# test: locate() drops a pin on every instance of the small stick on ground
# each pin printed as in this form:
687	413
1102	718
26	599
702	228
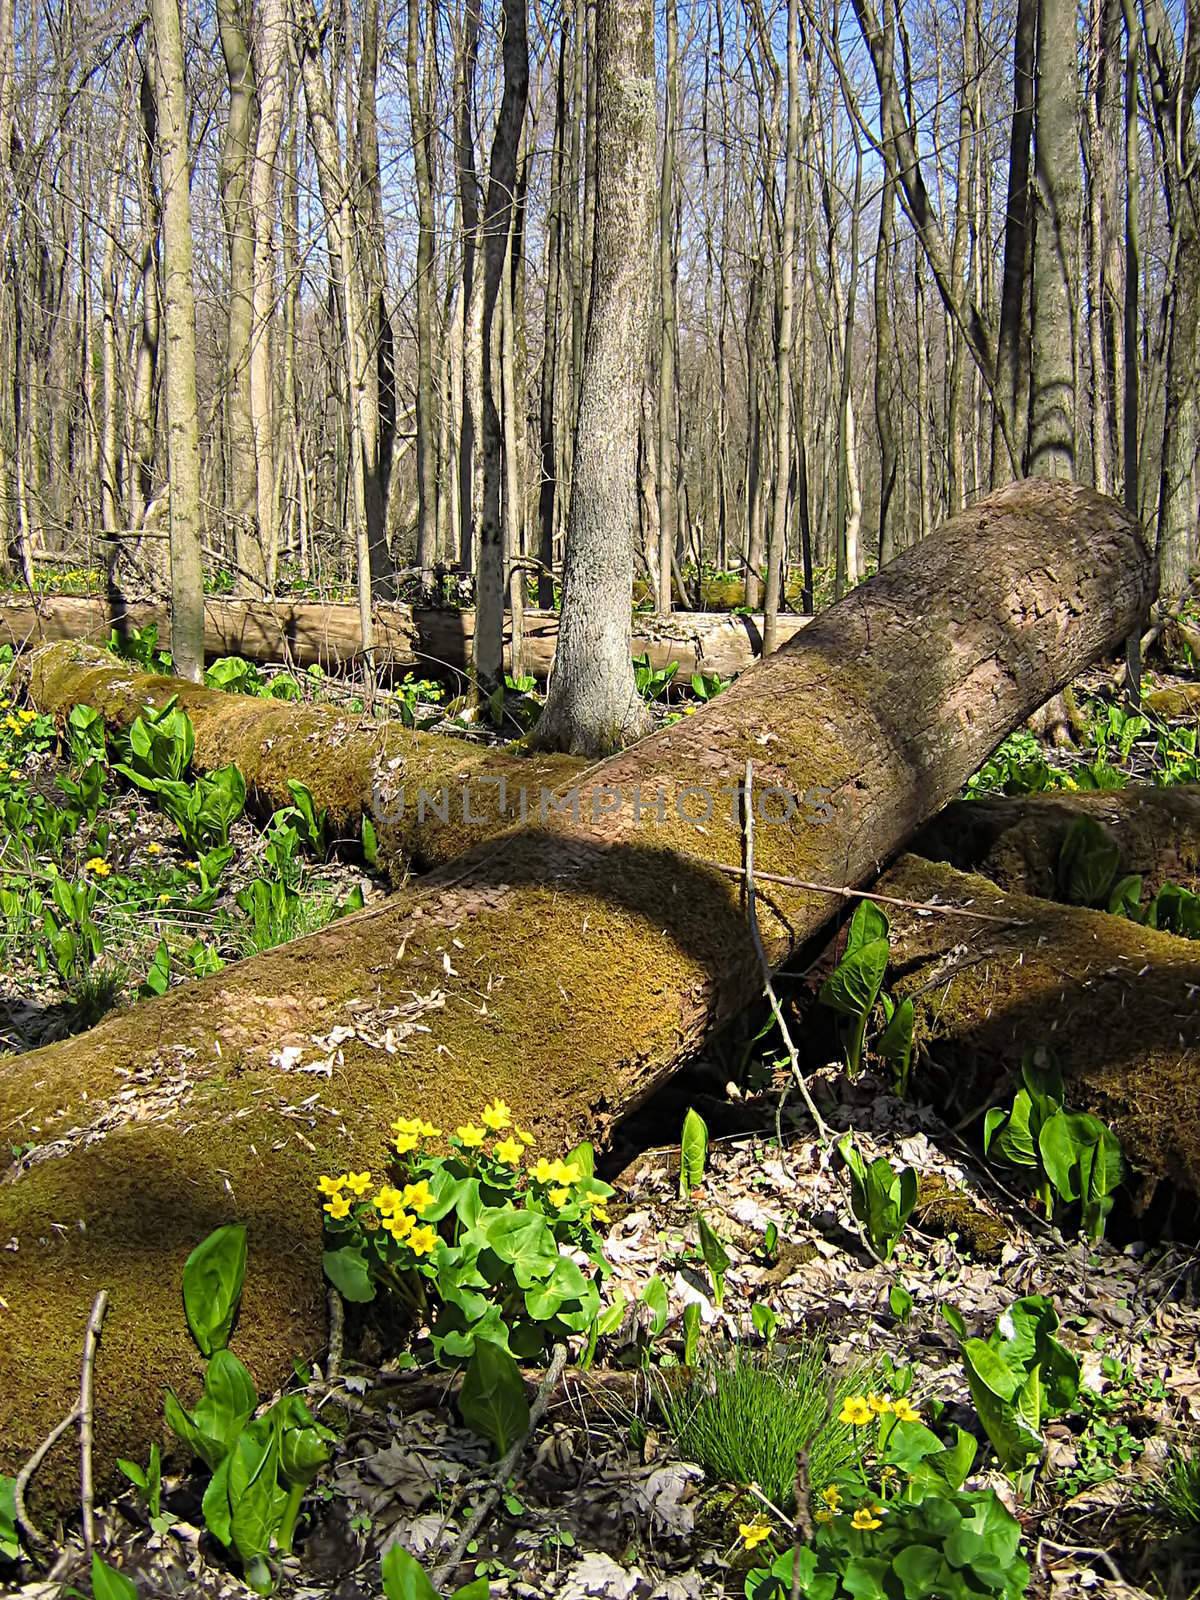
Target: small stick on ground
503	1471
844	892
86	1489
80	1412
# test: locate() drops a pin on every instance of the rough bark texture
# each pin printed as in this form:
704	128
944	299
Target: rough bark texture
353	765
1017	842
570	969
434	642
593	706
1115	1001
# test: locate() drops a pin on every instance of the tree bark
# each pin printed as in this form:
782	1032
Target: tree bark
195	1109
1122	997
593	706
179	314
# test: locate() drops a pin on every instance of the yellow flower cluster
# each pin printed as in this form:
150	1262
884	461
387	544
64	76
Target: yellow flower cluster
97	866
18	721
753	1533
398	1209
859	1411
410	1131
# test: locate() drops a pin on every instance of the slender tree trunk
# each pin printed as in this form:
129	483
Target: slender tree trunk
668	442
777	549
593	704
179	309
1055	280
422	138
1012	370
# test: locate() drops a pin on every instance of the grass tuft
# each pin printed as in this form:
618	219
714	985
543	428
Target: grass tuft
746	1414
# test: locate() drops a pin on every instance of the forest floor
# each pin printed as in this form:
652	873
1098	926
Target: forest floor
607	1499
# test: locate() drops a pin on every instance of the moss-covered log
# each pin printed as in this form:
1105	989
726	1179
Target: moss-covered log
429	640
354	765
1017	842
1118	1004
569	968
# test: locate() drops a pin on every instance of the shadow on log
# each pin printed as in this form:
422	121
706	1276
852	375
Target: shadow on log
1118	1003
1017	842
569	968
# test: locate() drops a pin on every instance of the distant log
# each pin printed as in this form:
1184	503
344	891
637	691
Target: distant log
407	638
1017	842
355	766
570	969
1119	1005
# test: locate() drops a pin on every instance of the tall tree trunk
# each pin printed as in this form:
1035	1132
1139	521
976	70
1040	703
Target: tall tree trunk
668	441
1012	350
1055	280
547	499
593	704
421	117
778	544
179	314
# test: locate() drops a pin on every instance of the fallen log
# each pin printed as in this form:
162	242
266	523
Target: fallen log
411	784
433	640
1017	842
1118	1003
569	969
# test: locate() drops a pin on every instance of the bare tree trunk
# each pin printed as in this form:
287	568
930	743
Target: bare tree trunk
1055	278
777	547
593	705
668	442
421	117
179	312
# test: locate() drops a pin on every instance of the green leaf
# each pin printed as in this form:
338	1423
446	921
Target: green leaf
716	1258
918	1567
524	1240
868	924
212	1286
253	1493
370	843
10	1544
109	1584
349	1274
853	987
228	1400
215	1505
404	1576
691	1330
565	1283
654	1296
210	1451
1126	897
693	1152
900	1302
492	1399
477	1589
1087	862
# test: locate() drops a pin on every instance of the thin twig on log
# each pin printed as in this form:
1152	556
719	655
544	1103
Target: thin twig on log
31	1534
846	893
86	1489
503	1472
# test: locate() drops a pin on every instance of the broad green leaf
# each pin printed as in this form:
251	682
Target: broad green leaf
868	924
228	1400
10	1546
716	1258
564	1284
1126	897
253	1493
853	987
693	1152
691	1330
492	1399
215	1506
918	1566
212	1286
109	1584
654	1295
210	1451
477	1589
1087	862
349	1274
404	1577
524	1240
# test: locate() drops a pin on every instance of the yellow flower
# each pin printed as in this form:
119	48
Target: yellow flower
566	1171
27	716
11	723
524	1135
497	1116
832	1496
97	865
753	1533
470	1135
329	1185
559	1197
855	1411
164	899
154	848
880	1404
863	1520
406	1142
823	1516
545	1171
399	1224
406	1125
428	1131
422	1240
339	1206
905	1412
417	1196
509	1151
388	1200
599	1212
358	1183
